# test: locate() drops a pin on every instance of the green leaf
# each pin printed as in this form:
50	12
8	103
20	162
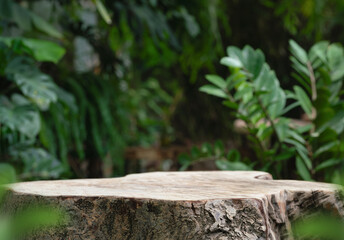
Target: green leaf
35	85
335	54
102	11
243	91
304	100
294	134
42	50
217	81
231	62
328	163
302	169
44	26
230	104
211	90
18	115
253	60
325	148
298	52
338	71
319	51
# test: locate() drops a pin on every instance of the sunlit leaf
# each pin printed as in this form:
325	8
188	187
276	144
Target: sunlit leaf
217	81
42	50
298	52
231	62
209	89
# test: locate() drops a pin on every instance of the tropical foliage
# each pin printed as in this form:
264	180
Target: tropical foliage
254	94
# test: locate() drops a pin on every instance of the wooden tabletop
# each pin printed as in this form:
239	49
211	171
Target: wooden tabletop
182	186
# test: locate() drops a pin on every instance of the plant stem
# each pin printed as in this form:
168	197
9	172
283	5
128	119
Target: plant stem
313	83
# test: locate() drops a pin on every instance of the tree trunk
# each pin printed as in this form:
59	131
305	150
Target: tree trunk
179	205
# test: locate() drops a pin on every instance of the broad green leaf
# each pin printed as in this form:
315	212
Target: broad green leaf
35	85
298	52
319	51
325	148
302	169
235	52
217	81
253	60
231	62
328	163
44	26
304	100
102	11
209	89
18	115
335	54
338	72
42	50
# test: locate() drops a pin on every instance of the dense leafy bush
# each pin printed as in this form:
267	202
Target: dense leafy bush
254	93
26	92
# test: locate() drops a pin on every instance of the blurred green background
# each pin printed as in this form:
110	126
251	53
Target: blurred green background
105	88
101	88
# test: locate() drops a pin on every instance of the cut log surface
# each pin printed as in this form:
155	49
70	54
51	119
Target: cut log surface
179	205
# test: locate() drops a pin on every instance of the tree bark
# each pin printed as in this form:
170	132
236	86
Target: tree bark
178	205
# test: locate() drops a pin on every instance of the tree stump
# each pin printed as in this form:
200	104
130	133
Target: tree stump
179	205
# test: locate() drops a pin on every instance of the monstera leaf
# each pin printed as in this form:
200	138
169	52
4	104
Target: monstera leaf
18	115
42	50
34	84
